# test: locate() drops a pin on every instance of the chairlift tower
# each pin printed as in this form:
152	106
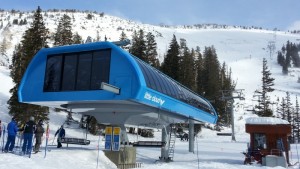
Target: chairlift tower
230	95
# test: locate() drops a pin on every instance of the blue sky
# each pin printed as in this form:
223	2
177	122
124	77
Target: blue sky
281	14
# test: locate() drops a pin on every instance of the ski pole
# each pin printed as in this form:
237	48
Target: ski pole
47	137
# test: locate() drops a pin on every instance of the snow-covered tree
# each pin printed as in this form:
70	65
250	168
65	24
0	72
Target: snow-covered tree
33	40
4	60
64	35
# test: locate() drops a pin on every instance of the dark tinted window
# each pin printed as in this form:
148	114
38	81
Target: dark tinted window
100	68
69	72
77	71
84	71
53	73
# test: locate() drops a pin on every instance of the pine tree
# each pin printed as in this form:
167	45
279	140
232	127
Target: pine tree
267	87
123	36
297	120
211	73
280	59
88	40
151	50
63	35
77	39
199	71
288	54
4	61
32	41
288	107
295	55
98	38
170	64
138	46
282	109
290	115
186	66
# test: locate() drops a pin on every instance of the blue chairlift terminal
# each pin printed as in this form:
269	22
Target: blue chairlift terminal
102	80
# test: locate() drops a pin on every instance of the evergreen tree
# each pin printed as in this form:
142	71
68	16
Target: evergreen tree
63	35
77	39
151	50
267	84
280	59
288	54
123	36
199	71
297	120
211	73
295	55
288	108
98	38
170	64
32	41
138	46
88	40
282	109
186	66
4	61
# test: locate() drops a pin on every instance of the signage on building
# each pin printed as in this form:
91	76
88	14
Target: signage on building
112	138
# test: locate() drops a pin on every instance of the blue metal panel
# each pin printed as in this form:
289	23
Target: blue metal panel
161	101
125	73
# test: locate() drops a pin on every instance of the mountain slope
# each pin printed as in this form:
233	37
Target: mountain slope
241	49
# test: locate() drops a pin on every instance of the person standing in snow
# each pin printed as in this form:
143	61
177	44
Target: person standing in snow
61	134
12	129
39	131
29	129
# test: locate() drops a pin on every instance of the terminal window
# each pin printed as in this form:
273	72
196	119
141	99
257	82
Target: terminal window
77	71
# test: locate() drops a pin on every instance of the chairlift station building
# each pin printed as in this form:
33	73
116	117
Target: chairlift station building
102	80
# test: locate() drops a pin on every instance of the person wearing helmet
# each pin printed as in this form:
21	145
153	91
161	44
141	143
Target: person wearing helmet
29	129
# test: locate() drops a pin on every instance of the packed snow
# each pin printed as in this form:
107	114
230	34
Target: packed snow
242	50
265	120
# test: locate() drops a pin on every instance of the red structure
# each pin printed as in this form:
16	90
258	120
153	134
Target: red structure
268	136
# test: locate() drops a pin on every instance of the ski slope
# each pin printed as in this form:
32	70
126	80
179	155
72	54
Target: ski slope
242	50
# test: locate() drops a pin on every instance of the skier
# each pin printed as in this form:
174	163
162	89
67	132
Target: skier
61	134
38	136
12	129
28	135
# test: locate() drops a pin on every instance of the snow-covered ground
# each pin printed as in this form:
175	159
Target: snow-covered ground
211	152
242	50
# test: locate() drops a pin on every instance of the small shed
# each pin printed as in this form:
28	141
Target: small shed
269	135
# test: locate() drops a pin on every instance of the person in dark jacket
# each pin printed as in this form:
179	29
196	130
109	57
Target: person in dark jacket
61	134
12	129
39	131
29	129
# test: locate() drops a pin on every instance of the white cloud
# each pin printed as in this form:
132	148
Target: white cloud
295	26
